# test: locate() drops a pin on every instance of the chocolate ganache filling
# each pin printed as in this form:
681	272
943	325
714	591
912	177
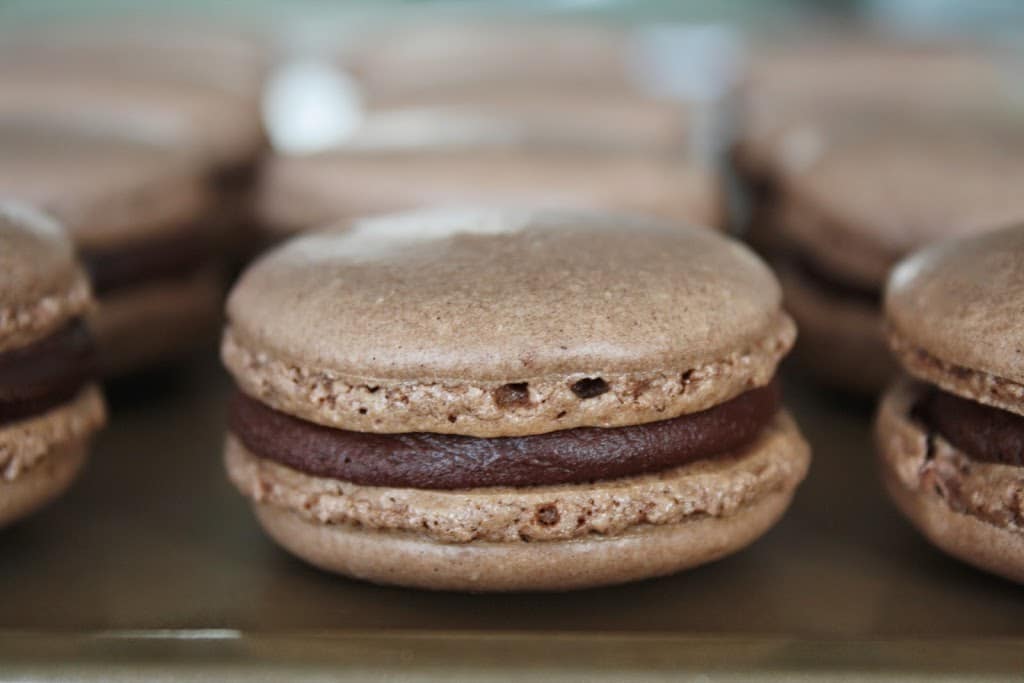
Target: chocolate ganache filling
982	432
47	373
153	259
448	461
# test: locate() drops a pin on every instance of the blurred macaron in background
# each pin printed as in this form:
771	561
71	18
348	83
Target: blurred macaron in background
198	81
856	149
139	210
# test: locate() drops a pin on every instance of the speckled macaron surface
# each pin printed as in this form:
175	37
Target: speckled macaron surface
42	285
49	403
951	438
510	399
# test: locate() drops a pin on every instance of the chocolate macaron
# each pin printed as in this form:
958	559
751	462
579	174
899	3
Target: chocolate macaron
50	404
834	76
309	191
853	201
951	440
499	399
195	83
138	210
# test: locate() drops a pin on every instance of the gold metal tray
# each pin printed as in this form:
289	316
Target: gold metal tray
152	568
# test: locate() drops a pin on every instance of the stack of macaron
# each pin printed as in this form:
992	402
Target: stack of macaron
950	433
50	405
139	210
567	388
510	399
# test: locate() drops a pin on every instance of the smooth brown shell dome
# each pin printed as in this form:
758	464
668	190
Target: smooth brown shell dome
955	314
489	297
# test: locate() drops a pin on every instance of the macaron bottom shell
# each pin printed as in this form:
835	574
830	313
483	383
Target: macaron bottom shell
41	456
43	483
155	321
402	559
841	340
735	500
966	508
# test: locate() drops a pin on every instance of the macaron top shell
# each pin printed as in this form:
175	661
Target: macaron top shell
220	129
106	186
955	315
161	49
665	319
303	192
883	189
831	76
451	57
41	284
535	118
